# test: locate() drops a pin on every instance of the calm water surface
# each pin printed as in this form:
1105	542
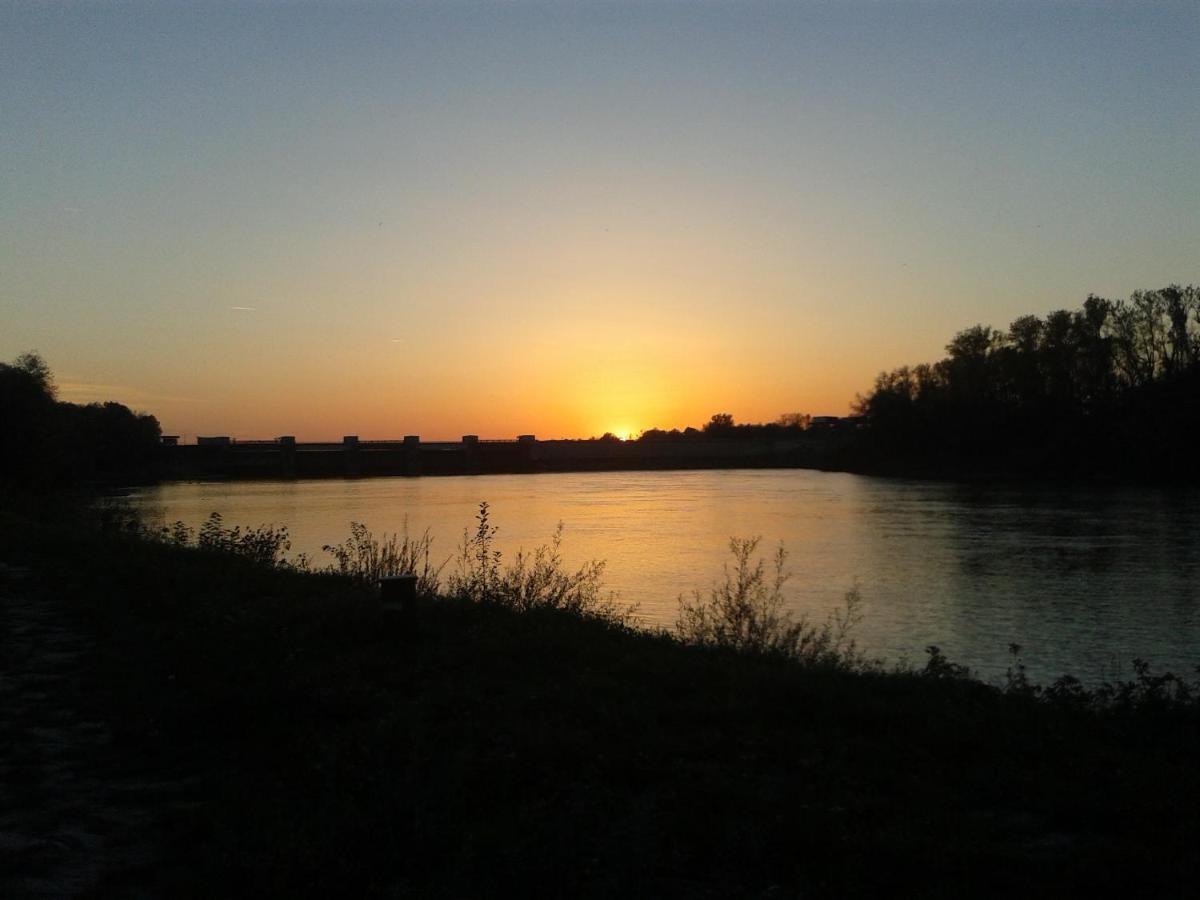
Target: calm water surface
1084	579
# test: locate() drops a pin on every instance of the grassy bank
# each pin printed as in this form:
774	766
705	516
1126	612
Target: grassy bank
330	748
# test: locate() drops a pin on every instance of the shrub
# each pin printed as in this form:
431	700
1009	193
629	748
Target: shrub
478	570
1016	678
534	580
747	612
266	545
366	558
1147	691
938	666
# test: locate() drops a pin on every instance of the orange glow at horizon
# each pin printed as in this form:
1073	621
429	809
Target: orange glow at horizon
581	381
624	432
600	354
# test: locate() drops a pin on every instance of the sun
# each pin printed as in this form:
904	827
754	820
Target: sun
624	432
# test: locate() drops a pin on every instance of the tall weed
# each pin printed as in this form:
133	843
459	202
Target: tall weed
366	558
747	611
534	579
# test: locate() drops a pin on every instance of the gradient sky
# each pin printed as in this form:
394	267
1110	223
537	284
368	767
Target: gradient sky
326	219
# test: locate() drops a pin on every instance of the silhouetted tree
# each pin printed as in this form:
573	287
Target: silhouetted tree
1106	388
44	442
32	364
27	423
795	420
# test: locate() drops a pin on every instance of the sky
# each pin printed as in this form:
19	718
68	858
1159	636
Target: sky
321	219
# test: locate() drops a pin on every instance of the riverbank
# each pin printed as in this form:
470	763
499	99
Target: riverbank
328	747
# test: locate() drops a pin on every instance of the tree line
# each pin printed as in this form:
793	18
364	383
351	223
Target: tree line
45	442
1110	389
723	425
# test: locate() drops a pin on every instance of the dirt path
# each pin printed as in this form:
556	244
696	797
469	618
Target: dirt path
73	820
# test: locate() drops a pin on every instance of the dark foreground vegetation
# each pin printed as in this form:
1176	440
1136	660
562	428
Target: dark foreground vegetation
517	738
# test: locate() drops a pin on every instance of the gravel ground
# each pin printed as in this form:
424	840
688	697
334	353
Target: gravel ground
76	818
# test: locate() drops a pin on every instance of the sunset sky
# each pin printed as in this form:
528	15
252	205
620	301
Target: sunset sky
341	218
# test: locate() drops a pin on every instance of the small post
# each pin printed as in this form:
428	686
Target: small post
399	592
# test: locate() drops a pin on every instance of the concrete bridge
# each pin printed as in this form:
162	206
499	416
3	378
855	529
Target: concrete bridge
284	457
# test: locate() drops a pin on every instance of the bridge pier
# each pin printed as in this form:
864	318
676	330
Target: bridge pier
353	455
287	456
527	445
470	445
412	454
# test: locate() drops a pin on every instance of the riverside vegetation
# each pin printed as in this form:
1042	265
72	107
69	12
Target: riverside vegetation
521	737
745	612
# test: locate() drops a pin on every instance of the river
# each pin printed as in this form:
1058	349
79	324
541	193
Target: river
1084	579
